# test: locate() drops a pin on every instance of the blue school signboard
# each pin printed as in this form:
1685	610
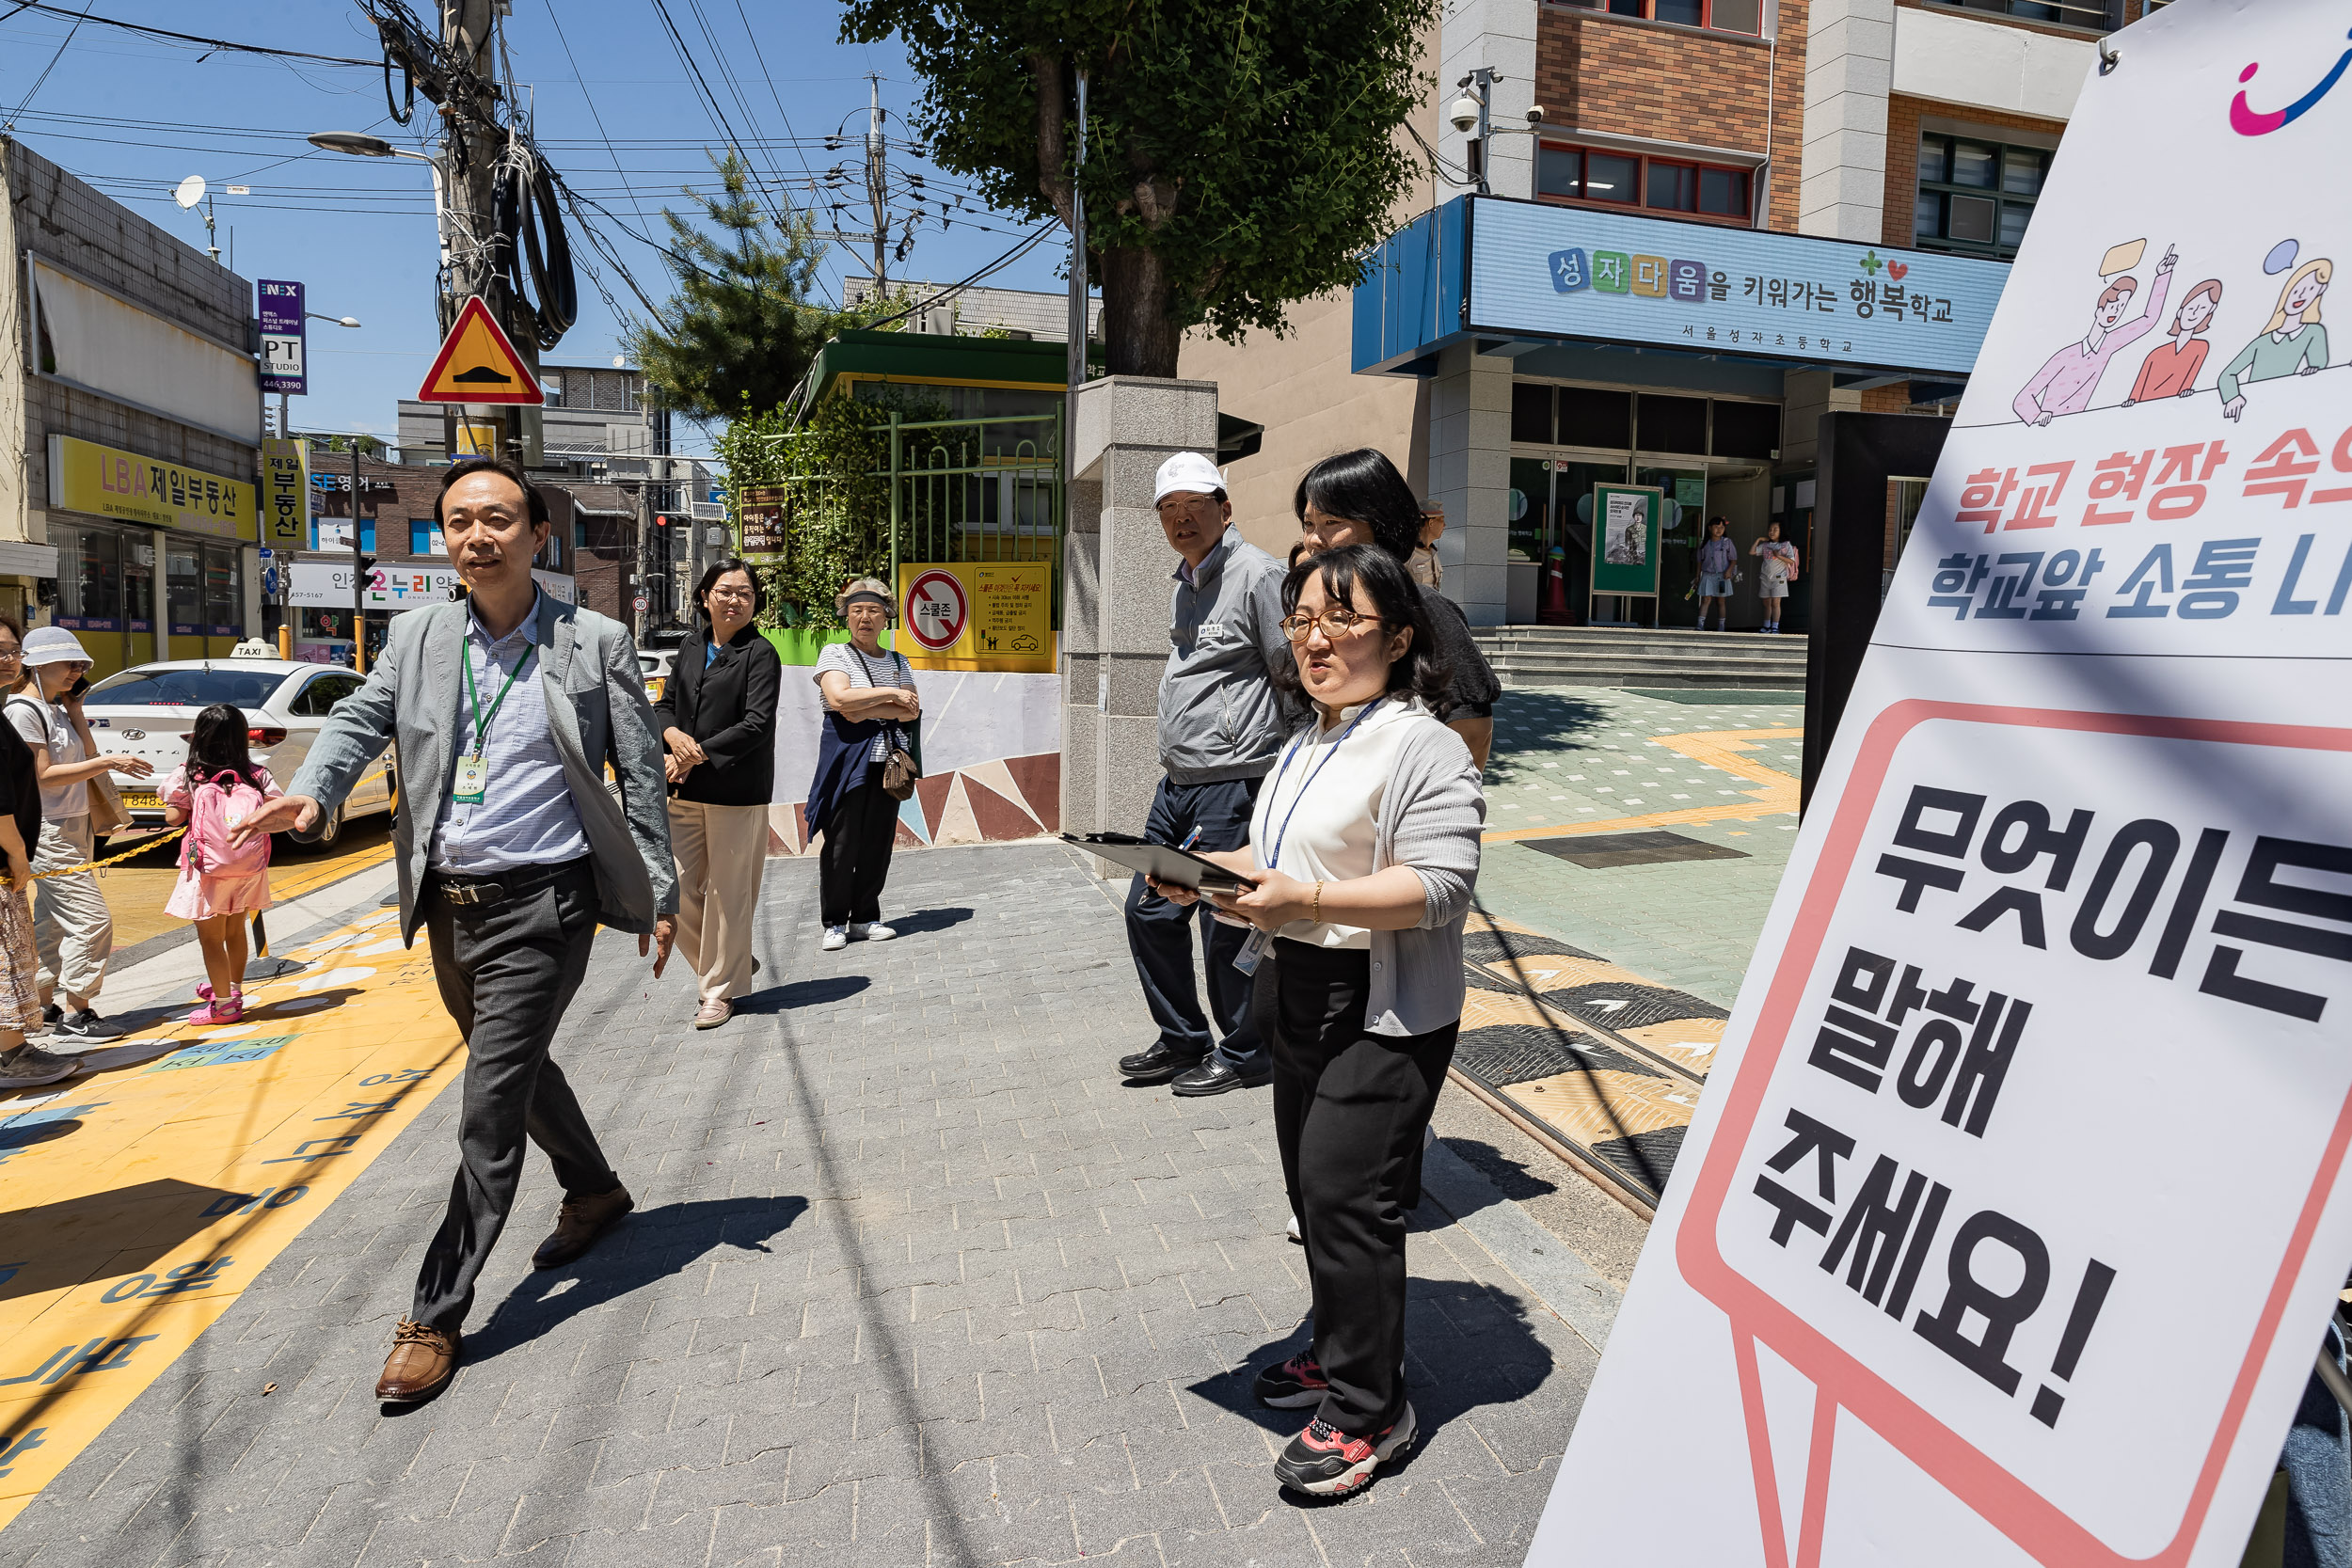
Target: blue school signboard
1525	270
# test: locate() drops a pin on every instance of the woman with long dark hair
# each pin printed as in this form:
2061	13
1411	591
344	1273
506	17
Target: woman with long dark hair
1363	853
1358	497
718	721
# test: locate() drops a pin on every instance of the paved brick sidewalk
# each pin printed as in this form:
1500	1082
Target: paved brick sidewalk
912	1280
1574	755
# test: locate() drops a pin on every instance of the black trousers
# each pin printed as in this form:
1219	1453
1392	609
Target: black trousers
507	969
1349	1111
855	861
1159	933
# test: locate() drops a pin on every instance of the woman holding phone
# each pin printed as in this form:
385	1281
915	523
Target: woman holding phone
1364	849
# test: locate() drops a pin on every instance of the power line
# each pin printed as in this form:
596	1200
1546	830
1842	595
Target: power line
49	67
208	43
592	112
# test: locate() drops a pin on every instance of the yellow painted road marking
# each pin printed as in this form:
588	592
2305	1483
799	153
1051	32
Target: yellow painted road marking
1716	748
135	890
144	1198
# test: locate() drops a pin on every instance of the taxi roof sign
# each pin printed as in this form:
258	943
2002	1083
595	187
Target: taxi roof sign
478	363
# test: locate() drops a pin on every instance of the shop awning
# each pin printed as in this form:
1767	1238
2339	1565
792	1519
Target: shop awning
20	559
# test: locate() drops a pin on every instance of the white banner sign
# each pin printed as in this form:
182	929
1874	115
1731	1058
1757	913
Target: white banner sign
327	585
2014	1209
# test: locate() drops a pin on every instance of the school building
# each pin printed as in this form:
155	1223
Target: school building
1690	227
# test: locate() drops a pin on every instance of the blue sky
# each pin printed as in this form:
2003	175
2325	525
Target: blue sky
134	116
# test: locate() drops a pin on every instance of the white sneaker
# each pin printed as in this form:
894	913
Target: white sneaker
836	938
871	930
1294	1231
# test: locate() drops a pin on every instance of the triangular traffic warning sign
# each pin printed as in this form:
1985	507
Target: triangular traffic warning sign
478	364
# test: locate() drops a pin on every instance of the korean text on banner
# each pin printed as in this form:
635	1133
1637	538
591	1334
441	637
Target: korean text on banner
971	616
285	493
2014	1209
106	482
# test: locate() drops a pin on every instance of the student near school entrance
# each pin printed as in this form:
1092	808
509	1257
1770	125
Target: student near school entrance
1221	724
506	710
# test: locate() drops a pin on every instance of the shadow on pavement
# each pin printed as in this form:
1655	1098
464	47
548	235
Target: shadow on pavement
1552	710
929	919
649	1244
1466	1345
1511	1179
803	994
51	1247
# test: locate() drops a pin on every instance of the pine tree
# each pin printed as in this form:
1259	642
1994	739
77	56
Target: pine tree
739	331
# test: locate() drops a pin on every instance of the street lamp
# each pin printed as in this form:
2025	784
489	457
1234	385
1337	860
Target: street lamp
339	321
359	144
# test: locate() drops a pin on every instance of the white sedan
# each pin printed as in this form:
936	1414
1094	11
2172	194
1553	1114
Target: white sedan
147	711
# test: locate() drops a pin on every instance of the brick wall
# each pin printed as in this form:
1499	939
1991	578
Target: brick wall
1902	151
1632	78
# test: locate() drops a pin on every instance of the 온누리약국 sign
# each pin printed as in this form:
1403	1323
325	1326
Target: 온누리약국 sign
2014	1209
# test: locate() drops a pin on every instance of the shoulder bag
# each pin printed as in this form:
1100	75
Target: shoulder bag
107	813
899	768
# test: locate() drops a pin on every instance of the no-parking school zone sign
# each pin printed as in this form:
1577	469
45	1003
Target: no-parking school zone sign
972	616
2013	1216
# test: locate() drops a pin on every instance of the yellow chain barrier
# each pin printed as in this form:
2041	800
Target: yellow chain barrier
141	847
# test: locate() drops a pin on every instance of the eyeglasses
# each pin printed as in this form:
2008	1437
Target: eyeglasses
1177	506
1336	624
731	593
10	656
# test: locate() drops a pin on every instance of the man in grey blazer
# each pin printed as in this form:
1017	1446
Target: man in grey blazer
505	711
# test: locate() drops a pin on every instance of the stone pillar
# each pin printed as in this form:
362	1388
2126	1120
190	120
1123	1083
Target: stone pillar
1469	475
1116	590
1805	396
1501	34
1849	71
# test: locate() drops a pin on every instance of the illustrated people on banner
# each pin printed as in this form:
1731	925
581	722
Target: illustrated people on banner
2069	379
2170	369
2293	344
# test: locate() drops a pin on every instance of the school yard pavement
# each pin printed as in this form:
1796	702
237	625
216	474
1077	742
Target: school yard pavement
913	1279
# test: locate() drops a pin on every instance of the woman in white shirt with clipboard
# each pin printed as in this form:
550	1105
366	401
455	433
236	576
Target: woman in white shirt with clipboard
1363	851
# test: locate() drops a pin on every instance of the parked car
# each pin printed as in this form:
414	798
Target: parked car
655	664
148	710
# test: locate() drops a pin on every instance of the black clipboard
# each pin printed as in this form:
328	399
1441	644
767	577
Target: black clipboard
1176	868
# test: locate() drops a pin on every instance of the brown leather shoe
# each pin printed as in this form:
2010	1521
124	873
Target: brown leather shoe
421	1362
577	1228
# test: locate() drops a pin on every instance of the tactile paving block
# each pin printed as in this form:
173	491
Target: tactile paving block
1517	1054
1648	1158
1499	945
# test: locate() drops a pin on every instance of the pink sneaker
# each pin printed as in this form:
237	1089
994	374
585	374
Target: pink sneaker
217	1012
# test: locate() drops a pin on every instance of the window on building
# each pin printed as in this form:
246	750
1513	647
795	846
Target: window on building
1531	412
1672	424
1663	184
1976	195
424	537
1747	430
2098	15
1724	16
580	535
1596	417
89	577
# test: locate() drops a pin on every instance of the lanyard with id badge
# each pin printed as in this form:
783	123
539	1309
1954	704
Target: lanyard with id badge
472	780
1253	949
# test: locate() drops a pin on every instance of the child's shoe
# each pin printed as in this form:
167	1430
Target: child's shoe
218	1012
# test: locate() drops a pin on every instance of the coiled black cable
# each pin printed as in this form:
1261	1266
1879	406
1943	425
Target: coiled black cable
531	224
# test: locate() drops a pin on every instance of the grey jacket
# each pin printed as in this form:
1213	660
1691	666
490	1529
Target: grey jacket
1430	816
596	706
1220	717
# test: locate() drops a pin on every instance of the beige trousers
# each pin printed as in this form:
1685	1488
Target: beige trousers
722	851
73	928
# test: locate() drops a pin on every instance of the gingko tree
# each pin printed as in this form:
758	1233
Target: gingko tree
1239	156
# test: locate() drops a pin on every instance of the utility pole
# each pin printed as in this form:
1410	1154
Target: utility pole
878	180
1078	250
472	143
359	574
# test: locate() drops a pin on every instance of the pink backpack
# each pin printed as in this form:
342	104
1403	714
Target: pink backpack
216	806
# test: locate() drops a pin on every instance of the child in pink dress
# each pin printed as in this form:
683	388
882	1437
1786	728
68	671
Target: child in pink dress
220	884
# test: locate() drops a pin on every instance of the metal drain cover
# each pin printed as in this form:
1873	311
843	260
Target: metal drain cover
1505	1053
1626	1006
1600	851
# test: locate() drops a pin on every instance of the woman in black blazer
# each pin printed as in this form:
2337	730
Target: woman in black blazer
717	720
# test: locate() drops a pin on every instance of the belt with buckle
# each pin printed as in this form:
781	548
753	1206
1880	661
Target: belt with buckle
474	893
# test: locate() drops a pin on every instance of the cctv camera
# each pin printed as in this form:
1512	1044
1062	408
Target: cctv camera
1463	111
1536	115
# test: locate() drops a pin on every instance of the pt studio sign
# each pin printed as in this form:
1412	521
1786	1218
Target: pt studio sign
2056	988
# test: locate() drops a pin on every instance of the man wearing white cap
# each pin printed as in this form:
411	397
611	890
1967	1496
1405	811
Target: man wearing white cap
1221	725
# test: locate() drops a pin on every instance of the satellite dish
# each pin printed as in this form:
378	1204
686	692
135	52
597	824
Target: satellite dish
191	191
